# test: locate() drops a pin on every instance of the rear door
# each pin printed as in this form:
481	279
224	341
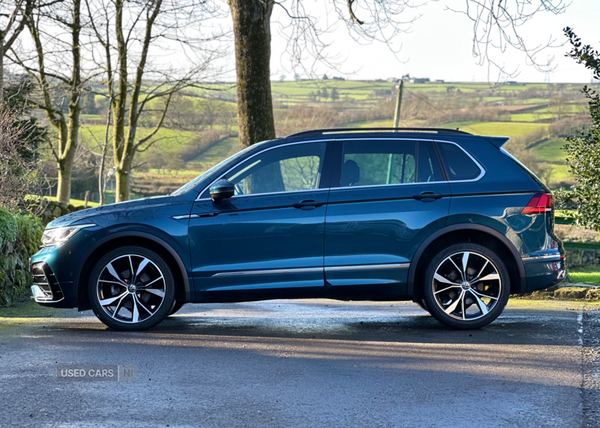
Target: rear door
389	195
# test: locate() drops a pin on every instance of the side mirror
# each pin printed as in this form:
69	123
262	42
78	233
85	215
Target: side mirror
222	189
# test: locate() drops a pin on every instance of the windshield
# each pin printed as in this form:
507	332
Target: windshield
190	185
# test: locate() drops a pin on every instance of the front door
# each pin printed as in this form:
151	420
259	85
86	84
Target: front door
391	194
270	234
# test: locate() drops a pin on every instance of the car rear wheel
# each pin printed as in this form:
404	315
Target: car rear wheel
131	288
422	304
466	286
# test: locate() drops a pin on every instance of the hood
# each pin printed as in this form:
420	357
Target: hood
87	215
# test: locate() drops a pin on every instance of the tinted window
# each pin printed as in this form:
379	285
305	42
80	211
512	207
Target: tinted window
429	164
283	169
372	163
459	166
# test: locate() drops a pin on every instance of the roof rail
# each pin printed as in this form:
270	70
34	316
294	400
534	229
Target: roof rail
340	130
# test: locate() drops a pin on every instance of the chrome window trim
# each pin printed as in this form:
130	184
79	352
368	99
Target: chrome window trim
313	269
479	177
272	193
481	168
256	154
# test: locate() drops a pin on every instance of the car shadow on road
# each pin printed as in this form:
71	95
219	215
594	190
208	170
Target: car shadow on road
404	324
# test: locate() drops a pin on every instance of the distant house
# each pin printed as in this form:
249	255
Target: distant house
439	81
419	80
511	83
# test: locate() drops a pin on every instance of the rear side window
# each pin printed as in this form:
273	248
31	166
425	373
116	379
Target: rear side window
375	163
429	164
459	165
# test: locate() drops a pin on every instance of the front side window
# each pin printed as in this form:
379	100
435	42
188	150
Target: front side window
283	169
374	163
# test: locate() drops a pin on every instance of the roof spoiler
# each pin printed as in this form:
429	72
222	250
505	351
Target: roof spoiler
498	141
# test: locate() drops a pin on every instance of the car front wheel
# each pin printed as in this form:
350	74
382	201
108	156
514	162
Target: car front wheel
131	288
466	286
176	306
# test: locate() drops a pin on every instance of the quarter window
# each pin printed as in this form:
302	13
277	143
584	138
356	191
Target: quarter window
459	165
284	169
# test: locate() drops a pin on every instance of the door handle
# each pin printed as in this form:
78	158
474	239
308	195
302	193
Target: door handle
307	204
427	196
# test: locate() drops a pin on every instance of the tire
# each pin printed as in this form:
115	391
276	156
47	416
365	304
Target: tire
176	306
466	302
131	305
422	304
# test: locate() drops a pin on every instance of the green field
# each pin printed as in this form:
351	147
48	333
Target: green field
216	154
75	202
508	129
530	117
550	150
512	110
587	275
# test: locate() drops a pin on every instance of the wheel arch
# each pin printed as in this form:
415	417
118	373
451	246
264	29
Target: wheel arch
143	239
466	232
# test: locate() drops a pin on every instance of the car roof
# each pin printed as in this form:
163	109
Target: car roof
354	131
429	133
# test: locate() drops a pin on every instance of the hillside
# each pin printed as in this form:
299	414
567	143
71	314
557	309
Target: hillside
201	126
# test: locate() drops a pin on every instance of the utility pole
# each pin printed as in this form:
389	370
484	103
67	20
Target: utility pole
398	104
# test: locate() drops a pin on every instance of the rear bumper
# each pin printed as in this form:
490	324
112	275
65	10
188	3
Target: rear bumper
543	272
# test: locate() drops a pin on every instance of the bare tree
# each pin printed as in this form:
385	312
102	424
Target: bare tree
10	30
131	30
102	149
18	169
55	63
495	26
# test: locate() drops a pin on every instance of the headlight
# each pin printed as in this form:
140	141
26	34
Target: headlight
60	235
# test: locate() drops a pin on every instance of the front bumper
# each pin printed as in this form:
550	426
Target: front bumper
45	288
55	270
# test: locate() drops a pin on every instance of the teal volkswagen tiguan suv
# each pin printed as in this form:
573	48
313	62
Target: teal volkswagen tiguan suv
441	217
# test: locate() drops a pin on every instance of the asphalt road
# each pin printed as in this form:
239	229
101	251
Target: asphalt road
310	363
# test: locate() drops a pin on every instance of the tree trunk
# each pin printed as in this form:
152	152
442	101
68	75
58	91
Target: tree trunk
68	129
67	151
63	192
122	184
1	66
252	30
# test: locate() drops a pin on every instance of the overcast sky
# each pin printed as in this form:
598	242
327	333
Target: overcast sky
439	46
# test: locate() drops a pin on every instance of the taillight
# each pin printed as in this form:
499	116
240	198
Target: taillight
540	203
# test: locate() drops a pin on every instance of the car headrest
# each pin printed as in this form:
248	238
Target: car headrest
350	173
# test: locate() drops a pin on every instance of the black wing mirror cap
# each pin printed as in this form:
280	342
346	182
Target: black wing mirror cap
221	190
